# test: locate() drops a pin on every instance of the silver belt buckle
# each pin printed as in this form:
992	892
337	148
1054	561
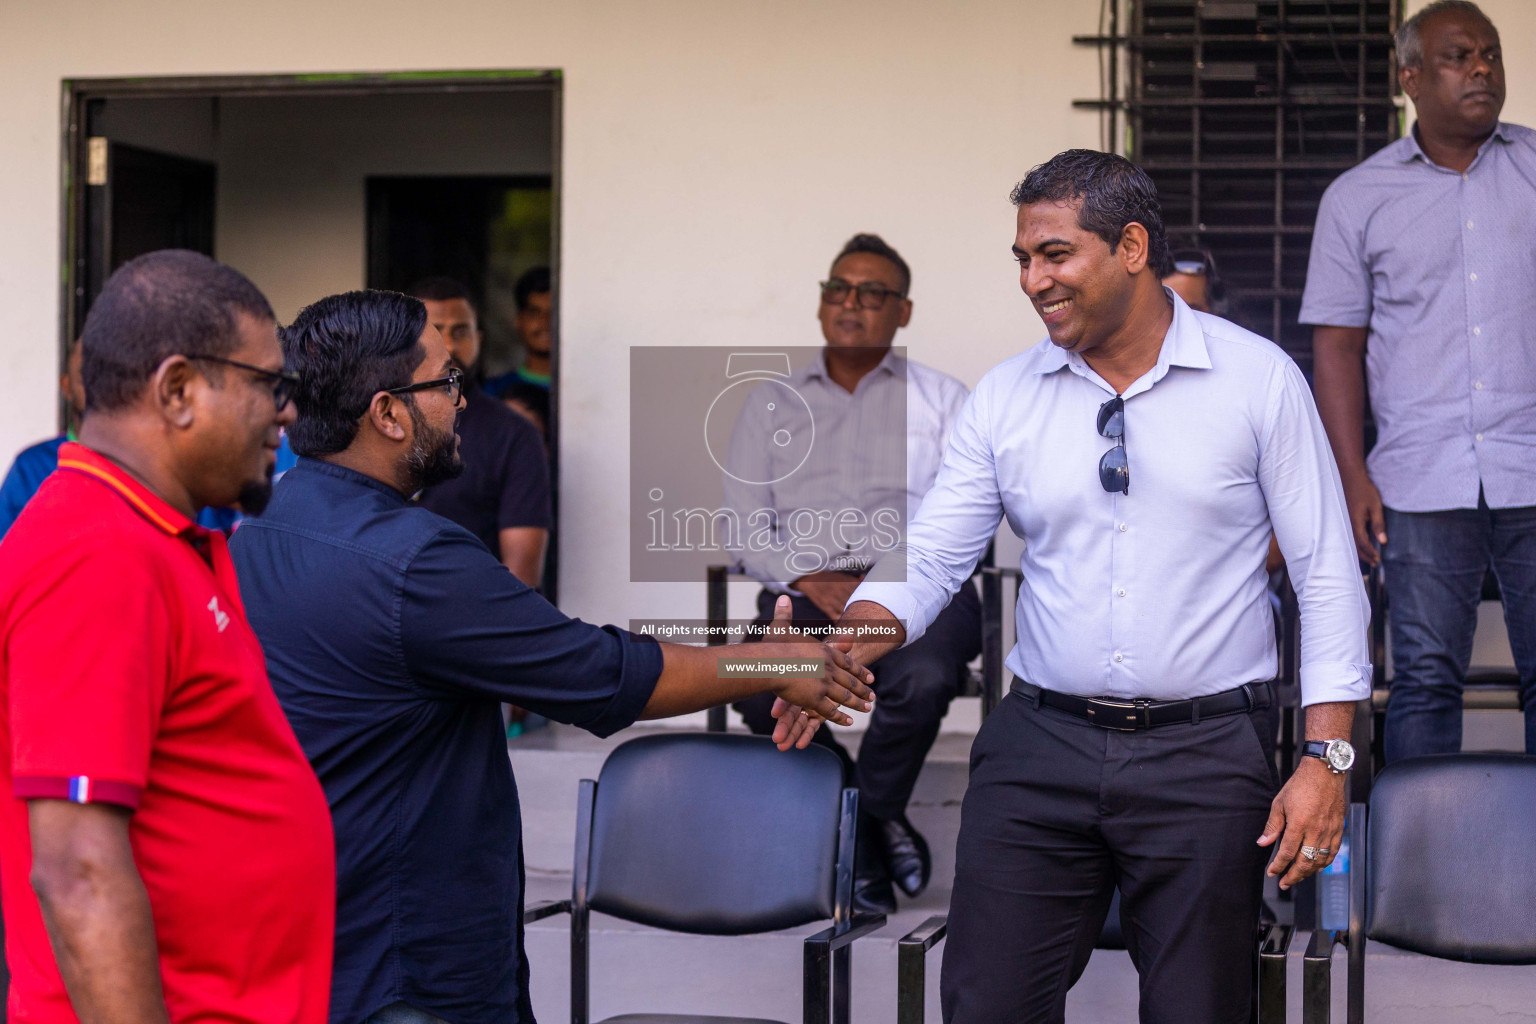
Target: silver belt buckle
1121	716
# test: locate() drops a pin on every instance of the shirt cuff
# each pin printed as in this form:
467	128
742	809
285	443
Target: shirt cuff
637	681
897	599
1324	682
77	789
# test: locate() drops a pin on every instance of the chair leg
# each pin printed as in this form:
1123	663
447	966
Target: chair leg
842	984
816	985
1273	950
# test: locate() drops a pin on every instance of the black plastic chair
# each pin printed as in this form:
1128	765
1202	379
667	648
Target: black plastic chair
911	964
1443	863
718	835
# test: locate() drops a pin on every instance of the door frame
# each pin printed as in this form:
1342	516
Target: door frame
79	93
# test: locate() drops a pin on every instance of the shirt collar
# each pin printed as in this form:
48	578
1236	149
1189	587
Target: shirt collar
345	475
1183	345
1413	151
77	457
892	364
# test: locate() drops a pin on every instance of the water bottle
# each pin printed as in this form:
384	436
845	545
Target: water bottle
1333	892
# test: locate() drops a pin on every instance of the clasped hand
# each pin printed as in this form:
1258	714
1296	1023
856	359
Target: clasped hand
803	703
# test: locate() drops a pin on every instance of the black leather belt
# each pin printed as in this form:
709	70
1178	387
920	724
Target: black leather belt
1131	715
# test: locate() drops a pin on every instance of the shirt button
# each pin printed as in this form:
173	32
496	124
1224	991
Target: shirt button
1478	385
1120	592
1463	175
1123	527
1472	276
1119	656
1477	331
1479	437
1469	225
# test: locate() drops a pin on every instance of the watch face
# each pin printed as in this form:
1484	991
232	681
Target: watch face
1341	756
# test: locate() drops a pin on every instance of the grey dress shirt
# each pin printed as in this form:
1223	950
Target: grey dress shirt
1441	267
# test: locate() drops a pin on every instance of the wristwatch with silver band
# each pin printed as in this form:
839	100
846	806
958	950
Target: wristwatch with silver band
1338	755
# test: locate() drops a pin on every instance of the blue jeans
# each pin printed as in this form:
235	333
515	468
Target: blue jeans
1434	564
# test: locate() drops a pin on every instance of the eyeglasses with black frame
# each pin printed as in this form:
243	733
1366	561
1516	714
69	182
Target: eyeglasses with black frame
1114	467
454	382
283	381
872	295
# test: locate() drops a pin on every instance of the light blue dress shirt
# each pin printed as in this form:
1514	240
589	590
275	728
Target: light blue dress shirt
1441	266
1159	593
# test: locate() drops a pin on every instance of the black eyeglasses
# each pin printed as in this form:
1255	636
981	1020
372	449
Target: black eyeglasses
1114	468
871	295
283	382
454	382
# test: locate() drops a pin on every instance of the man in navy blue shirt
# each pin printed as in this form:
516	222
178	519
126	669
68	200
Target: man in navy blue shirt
33	464
392	635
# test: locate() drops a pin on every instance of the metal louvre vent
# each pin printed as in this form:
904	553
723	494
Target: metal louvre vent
1243	113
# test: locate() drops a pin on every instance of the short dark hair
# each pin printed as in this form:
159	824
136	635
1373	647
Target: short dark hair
441	289
161	304
877	246
346	349
1112	191
1410	34
530	283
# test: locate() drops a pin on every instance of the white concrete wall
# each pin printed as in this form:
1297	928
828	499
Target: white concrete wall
716	152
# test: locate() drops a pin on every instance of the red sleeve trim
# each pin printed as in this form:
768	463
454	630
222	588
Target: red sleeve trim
79	789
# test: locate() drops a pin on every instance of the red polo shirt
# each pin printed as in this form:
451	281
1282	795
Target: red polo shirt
128	675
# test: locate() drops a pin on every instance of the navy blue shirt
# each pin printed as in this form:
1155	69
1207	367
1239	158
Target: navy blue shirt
26	475
392	635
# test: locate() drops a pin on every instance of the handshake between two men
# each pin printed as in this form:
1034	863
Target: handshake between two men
827	680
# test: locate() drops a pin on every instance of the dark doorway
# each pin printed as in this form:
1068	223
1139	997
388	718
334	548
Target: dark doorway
138	201
484	232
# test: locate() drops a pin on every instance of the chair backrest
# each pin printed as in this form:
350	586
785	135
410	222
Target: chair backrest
1451	857
715	834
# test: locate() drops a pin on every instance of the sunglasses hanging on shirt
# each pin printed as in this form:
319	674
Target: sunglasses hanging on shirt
1114	467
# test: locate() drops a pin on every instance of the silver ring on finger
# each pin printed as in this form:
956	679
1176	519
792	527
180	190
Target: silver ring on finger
1310	852
1323	851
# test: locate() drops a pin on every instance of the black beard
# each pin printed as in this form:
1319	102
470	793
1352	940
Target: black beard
254	497
433	458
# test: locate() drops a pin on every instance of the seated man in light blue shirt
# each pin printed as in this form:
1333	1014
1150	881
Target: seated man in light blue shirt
1144	453
1422	282
879	422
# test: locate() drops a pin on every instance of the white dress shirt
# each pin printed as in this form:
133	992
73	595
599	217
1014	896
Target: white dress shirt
876	448
1159	593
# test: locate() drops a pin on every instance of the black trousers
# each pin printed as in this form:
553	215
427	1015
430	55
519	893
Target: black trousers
913	689
1059	813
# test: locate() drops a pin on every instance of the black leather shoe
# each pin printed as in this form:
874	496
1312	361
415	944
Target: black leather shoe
872	891
906	854
874	895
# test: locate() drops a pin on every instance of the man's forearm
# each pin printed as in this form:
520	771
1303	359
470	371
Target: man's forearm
98	918
1330	721
522	551
1338	370
874	630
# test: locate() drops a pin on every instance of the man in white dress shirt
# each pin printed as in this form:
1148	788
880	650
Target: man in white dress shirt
1143	452
880	425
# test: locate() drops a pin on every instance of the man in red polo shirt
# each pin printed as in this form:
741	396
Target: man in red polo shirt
167	852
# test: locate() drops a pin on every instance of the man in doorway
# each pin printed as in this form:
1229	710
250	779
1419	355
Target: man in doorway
1420	287
33	464
526	389
502	497
166	850
393	635
1143	452
863	397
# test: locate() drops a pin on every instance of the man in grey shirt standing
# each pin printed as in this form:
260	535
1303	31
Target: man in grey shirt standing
1422	284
